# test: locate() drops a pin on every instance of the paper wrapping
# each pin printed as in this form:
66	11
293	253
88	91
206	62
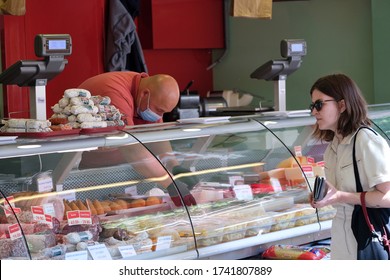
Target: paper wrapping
13	7
252	8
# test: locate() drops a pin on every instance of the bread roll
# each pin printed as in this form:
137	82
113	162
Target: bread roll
122	203
137	203
152	200
99	208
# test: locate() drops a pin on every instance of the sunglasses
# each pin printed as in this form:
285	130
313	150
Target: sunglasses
318	104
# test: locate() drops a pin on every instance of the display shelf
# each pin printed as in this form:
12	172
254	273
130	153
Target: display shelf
248	164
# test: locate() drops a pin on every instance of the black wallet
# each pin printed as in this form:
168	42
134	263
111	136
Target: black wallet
320	188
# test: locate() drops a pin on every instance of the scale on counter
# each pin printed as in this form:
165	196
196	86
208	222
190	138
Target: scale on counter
36	73
277	70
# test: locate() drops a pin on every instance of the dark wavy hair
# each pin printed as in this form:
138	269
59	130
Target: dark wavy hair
341	87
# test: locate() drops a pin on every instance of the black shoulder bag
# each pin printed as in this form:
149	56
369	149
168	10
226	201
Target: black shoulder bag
370	226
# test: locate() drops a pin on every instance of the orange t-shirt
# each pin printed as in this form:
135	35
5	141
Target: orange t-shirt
122	88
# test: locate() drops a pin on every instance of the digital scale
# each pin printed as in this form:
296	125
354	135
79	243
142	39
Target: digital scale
36	73
277	70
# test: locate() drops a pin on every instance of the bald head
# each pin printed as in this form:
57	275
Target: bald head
164	92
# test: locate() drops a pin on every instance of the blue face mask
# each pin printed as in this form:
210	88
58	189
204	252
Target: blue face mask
148	115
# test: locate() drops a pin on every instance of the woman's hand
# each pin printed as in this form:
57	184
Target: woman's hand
329	199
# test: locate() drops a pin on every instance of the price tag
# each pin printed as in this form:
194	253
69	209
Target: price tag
310	160
45	184
79	217
127	251
99	252
243	192
38	213
298	151
8	211
48	208
77	255
321	163
308	170
236	180
131	190
163	242
10	201
14	231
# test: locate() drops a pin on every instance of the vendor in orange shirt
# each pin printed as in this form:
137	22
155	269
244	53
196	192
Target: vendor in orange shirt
142	99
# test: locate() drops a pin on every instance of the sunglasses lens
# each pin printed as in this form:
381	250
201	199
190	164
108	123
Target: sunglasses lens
317	105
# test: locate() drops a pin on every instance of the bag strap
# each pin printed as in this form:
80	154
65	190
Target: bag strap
363	202
359	187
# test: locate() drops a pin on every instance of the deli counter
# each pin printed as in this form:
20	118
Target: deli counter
100	195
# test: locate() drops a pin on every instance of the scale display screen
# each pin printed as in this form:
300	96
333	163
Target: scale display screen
53	44
293	47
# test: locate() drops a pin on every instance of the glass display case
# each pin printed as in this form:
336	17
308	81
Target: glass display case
120	194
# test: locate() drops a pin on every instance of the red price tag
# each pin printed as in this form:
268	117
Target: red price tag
79	217
14	231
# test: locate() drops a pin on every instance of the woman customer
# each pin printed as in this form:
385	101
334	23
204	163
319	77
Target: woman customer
340	109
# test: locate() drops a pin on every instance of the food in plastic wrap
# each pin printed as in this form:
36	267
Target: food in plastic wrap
109	112
63	102
78	109
36	124
74	92
57	109
88	117
38	242
54	251
101	100
283	220
94	228
26	125
76	237
16	123
56	119
61	127
233	236
67	110
81	246
291	252
6	245
93	124
115	123
79	100
23	217
74	124
326	213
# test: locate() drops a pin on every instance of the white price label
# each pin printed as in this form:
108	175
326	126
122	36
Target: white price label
99	252
45	184
48	208
236	180
243	192
127	251
131	190
308	170
77	255
163	242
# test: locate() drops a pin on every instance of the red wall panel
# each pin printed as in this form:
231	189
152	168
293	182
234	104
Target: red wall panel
184	65
83	20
